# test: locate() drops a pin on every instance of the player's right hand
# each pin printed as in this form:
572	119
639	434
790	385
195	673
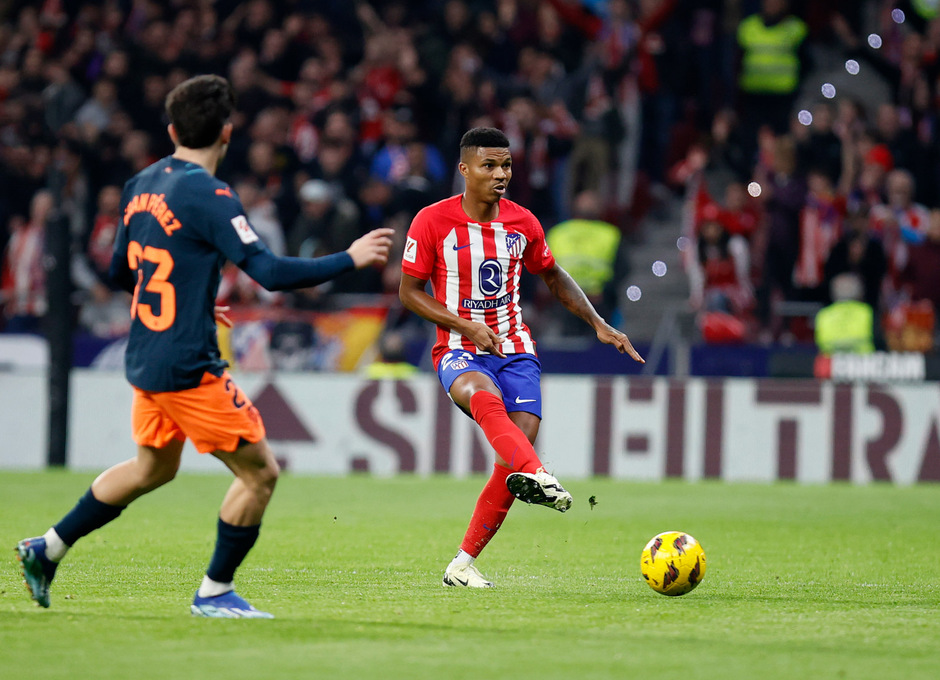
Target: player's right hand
372	248
485	339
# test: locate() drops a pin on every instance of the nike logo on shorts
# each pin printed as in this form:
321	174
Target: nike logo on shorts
456	247
520	400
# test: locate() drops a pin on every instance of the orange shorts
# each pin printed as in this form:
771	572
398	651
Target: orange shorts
216	416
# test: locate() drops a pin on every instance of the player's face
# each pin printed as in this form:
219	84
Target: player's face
487	171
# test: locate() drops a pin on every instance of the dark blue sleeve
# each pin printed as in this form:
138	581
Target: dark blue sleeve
285	273
120	276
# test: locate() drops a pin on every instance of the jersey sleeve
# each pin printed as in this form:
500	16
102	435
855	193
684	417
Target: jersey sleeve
225	225
537	256
418	258
119	273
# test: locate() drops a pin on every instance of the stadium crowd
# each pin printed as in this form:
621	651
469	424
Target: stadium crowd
350	113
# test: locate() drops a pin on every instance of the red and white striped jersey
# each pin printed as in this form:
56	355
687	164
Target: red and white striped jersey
474	269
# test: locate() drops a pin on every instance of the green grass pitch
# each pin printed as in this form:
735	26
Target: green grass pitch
803	581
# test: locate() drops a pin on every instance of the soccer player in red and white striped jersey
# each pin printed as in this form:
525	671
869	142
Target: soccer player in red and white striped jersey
472	247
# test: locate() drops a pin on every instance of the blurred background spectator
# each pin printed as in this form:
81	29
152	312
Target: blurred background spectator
858	252
390	362
719	271
847	324
786	142
773	62
594	252
23	291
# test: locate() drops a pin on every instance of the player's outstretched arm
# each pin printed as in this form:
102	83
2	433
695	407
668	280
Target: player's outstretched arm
288	273
569	293
371	249
414	298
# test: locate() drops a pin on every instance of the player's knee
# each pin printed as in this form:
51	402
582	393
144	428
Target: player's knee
263	479
158	476
168	474
269	475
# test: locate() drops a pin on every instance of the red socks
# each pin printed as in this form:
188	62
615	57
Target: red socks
491	509
516	450
503	435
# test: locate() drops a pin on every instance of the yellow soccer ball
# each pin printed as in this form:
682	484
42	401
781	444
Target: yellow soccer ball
673	563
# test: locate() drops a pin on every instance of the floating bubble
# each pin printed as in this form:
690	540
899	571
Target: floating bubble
754	189
683	243
659	268
805	117
828	90
634	293
898	15
874	41
852	67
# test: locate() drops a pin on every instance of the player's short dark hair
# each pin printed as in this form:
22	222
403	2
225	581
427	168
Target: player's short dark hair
198	108
487	137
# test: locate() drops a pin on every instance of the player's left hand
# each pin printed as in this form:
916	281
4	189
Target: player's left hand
611	336
220	316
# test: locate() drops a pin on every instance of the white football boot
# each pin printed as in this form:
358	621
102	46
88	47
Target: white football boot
465	575
540	488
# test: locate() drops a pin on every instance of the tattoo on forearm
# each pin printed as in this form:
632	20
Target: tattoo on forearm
566	291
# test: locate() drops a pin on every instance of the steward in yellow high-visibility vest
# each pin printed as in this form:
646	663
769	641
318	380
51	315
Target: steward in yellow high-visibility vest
592	252
848	324
845	327
770	61
586	249
390	361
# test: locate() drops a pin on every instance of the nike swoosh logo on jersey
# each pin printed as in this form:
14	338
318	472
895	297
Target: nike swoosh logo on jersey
456	247
520	400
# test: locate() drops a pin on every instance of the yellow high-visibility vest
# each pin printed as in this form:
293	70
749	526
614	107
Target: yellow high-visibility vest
845	327
586	249
928	9
770	64
400	370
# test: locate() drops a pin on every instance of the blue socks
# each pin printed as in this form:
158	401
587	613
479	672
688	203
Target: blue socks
231	547
232	544
87	515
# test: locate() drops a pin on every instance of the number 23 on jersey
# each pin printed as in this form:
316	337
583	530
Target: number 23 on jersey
158	284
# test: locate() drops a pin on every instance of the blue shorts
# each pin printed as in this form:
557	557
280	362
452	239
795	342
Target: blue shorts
518	376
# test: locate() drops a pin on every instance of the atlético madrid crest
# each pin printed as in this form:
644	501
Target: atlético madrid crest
514	245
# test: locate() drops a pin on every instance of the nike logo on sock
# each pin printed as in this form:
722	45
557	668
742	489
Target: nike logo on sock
456	247
520	400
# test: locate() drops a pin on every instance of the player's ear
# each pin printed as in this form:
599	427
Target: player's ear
226	135
170	130
463	169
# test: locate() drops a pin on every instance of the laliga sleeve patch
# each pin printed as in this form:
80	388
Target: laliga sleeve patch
244	230
411	250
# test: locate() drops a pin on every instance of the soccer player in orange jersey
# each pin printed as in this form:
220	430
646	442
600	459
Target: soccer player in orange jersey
181	224
471	247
